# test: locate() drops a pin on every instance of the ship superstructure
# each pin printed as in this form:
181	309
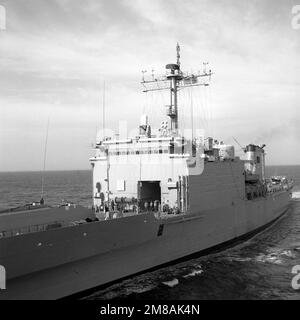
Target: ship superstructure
151	172
156	198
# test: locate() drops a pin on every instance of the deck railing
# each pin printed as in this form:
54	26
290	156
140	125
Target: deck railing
30	229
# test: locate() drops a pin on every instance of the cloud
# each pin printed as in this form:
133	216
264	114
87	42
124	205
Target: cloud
54	56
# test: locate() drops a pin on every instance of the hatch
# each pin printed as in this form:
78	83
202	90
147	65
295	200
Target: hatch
149	193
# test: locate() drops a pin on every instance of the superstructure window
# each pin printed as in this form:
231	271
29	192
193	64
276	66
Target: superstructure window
172	149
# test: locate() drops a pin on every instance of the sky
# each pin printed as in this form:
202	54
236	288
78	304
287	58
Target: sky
55	56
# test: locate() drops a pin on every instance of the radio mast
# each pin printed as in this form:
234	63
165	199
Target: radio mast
174	80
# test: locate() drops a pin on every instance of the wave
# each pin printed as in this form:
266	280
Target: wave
296	195
172	283
270	258
122	289
288	253
276	257
239	259
193	273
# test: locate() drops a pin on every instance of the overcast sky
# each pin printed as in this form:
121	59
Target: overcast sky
55	55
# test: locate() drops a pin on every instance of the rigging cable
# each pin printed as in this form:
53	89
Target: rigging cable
192	113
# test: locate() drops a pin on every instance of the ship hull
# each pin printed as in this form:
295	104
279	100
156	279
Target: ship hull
94	254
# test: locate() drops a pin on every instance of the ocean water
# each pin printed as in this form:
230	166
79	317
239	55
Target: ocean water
18	188
259	268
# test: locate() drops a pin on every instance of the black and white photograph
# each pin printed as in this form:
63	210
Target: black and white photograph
149	151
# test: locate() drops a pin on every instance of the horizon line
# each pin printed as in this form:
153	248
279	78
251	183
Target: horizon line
62	170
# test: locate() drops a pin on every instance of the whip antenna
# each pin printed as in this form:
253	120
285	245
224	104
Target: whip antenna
103	109
44	163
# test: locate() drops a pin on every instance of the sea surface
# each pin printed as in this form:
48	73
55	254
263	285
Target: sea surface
259	268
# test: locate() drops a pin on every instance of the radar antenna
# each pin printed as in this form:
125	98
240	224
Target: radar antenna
174	80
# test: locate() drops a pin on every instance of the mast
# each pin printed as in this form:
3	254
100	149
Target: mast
175	75
175	80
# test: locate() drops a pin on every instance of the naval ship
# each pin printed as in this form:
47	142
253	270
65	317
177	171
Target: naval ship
157	198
